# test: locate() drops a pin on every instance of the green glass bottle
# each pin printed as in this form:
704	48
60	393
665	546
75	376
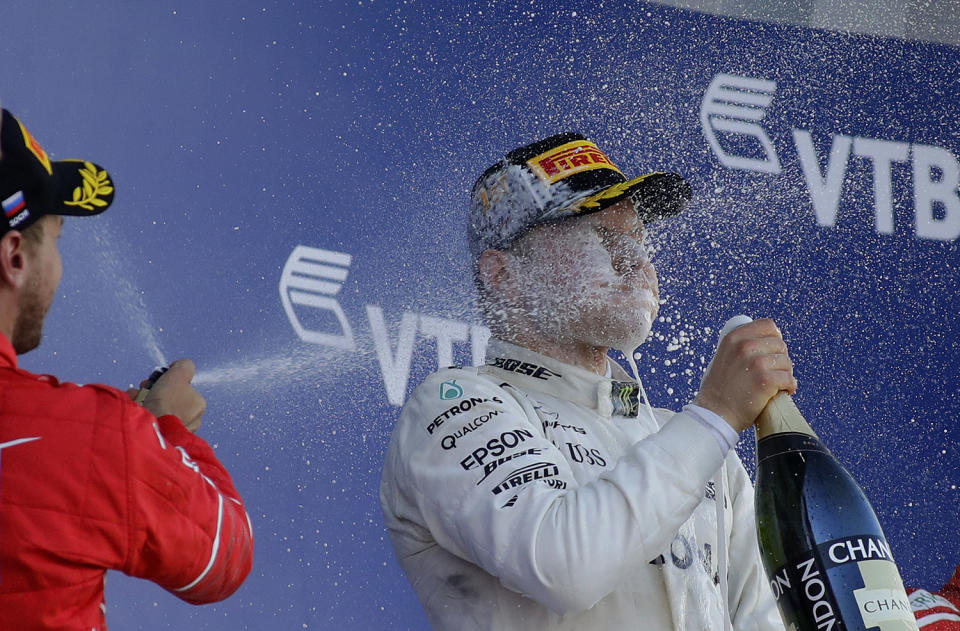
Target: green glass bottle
828	563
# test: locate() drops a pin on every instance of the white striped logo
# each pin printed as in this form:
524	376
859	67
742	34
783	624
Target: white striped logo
734	106
312	278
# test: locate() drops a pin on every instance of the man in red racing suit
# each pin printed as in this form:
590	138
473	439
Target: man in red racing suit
939	611
90	480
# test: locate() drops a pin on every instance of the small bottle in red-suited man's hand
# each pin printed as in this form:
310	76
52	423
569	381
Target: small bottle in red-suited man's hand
151	380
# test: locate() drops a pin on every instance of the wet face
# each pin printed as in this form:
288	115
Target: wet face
589	279
36	295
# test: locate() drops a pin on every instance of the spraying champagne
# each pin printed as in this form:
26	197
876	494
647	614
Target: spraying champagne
829	565
151	381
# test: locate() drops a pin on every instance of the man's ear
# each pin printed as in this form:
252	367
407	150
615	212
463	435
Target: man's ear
13	259
493	269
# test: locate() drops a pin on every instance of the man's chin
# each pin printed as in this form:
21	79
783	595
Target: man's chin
22	347
628	345
634	333
623	322
24	341
635	302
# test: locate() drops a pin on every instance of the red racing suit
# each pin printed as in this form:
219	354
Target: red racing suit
91	481
939	611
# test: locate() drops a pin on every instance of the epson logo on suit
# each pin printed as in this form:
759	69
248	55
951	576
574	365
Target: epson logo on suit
495	447
733	108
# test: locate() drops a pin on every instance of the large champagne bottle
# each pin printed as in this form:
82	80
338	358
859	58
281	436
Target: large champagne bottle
828	562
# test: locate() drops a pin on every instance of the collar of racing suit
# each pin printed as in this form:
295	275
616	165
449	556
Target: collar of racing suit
532	371
8	356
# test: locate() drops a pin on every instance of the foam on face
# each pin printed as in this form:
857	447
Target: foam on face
580	284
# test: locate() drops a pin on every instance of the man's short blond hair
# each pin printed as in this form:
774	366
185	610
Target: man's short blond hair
33	234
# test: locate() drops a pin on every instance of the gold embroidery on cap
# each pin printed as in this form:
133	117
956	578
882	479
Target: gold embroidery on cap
95	184
617	189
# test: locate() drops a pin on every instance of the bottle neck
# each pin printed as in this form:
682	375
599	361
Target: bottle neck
781	415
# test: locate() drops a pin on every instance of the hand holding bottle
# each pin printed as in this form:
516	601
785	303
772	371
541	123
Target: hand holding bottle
824	552
750	367
172	393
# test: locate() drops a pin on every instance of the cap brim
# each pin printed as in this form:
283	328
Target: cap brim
655	196
83	188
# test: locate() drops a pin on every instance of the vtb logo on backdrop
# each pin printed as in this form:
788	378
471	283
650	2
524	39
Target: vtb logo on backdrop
731	114
309	285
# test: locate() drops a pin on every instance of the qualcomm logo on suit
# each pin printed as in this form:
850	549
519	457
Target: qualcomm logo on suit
309	284
733	109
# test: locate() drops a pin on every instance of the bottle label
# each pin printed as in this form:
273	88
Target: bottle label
805	596
853	550
788	442
883	602
848	583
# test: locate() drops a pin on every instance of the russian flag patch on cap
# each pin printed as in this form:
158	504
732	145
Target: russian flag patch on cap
14	204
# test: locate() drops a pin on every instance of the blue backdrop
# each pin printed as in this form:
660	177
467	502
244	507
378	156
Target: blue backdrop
825	168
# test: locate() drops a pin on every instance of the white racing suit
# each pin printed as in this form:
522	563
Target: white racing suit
528	494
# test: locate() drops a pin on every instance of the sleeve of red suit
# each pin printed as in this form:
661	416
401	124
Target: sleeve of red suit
188	529
938	611
952	589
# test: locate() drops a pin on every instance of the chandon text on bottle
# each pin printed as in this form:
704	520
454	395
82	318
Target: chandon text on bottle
828	562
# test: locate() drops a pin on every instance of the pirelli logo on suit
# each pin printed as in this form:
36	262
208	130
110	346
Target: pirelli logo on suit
539	471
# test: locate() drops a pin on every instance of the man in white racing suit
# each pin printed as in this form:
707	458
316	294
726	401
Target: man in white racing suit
541	490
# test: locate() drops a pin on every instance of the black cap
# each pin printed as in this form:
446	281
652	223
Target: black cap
31	185
564	175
